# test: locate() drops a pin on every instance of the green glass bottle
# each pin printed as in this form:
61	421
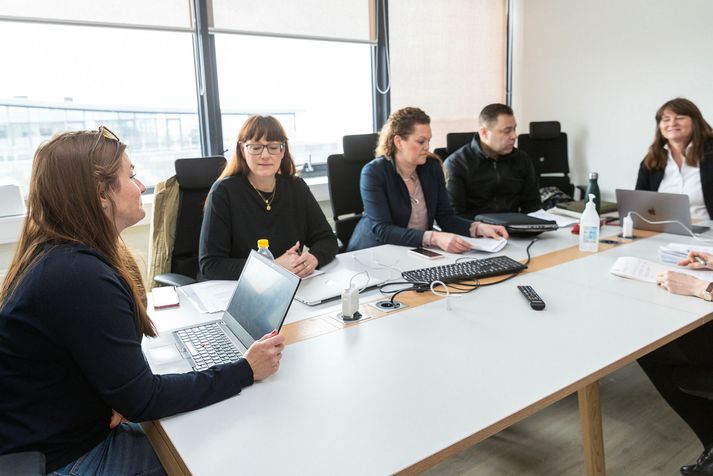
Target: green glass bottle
593	188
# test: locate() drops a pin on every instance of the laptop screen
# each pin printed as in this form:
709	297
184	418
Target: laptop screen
261	299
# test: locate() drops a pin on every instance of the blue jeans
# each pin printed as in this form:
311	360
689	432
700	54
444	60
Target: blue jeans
126	451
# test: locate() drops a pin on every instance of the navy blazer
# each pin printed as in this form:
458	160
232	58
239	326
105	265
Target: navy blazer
387	205
651	179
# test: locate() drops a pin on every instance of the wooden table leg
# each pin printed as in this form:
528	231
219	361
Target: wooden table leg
167	454
590	416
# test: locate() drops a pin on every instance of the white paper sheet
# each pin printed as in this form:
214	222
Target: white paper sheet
643	270
489	245
210	296
675	252
562	221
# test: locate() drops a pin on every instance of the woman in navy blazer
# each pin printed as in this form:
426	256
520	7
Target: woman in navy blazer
404	192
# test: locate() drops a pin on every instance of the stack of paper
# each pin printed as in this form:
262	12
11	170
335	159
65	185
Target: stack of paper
643	270
489	245
675	252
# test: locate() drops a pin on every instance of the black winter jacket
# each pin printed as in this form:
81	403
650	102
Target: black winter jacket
478	184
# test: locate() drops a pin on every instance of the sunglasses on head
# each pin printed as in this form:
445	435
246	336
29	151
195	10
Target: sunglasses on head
105	132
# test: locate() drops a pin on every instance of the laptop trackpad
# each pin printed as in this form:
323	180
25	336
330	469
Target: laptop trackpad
167	359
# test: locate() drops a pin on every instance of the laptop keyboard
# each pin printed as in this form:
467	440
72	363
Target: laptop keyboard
465	270
208	345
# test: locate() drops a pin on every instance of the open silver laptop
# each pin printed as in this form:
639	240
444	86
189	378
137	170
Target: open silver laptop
328	286
259	304
657	206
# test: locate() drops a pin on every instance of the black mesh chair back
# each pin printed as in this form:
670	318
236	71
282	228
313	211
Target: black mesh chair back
343	172
195	177
546	145
456	140
360	146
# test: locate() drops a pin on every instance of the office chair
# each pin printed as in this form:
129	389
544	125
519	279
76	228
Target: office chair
546	145
696	381
27	463
454	141
195	177
344	172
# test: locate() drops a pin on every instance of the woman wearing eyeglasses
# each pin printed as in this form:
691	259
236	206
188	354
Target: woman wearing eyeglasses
72	317
258	196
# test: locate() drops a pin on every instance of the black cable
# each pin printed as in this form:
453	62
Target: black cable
527	250
422	287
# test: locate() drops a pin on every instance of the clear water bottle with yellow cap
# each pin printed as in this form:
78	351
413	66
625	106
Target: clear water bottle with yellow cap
263	248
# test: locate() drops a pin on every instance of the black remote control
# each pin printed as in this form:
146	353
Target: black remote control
536	301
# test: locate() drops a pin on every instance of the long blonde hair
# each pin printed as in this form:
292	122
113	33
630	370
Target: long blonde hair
70	174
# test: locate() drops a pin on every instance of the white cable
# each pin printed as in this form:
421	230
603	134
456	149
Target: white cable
447	294
664	222
366	284
376	264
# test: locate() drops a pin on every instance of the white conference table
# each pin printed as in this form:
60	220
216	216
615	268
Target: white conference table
376	260
405	391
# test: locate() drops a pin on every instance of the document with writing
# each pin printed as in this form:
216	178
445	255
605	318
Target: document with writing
643	270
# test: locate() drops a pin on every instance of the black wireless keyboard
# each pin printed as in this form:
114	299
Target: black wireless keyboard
465	270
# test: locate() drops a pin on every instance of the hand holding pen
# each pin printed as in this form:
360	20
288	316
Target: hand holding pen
697	260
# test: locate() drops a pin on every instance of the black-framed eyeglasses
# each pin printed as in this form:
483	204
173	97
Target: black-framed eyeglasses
105	132
272	149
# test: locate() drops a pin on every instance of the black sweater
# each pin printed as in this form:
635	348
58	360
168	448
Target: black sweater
70	352
235	218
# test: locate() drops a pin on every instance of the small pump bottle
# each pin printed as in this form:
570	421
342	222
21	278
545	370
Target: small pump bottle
589	227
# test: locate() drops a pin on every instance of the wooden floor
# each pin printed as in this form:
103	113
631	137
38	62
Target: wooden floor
642	436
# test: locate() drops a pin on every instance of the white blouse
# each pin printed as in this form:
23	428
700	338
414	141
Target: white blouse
686	180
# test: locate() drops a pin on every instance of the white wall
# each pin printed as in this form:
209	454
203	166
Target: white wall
603	68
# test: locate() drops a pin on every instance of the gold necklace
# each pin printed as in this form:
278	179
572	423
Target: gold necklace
268	202
411	178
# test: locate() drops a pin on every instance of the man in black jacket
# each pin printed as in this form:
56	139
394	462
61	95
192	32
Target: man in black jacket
489	174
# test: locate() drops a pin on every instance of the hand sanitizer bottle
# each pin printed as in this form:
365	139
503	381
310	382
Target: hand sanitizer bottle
589	227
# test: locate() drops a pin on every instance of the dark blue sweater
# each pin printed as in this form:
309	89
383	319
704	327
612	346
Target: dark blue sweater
70	352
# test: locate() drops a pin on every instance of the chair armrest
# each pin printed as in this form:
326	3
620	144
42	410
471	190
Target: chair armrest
173	279
28	463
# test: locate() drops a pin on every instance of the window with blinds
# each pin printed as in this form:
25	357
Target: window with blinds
448	58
